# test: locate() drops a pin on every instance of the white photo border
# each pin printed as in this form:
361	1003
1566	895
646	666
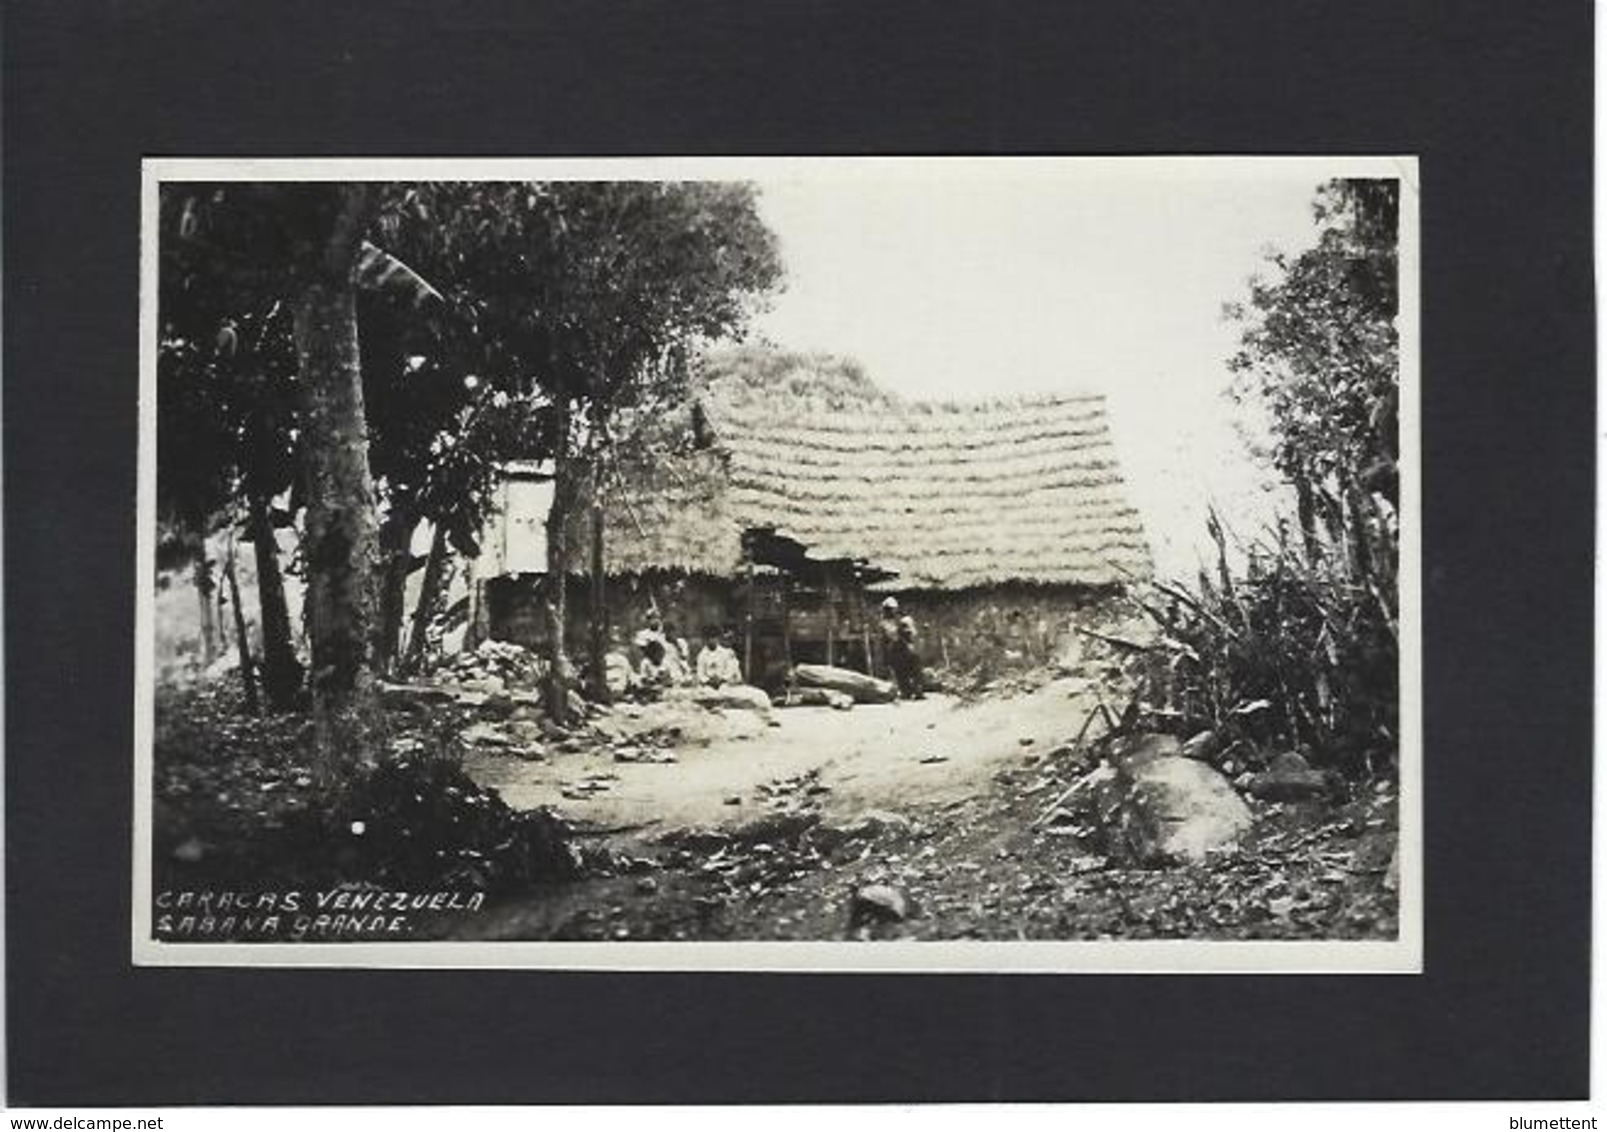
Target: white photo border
1403	955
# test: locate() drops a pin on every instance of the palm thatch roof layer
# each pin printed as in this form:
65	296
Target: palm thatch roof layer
944	495
671	513
947	495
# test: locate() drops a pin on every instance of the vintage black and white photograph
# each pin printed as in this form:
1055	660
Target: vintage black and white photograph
874	563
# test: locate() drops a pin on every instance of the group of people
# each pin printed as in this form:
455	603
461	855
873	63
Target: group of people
662	660
665	661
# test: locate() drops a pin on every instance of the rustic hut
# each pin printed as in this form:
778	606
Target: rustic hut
998	525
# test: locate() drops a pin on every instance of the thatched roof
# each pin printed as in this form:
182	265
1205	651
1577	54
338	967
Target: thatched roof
946	496
673	512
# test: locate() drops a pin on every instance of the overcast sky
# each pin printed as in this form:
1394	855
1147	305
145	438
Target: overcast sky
1003	279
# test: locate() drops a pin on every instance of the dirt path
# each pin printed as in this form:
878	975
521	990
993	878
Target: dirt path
869	757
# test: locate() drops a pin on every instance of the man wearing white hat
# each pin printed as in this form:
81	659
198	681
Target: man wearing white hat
898	639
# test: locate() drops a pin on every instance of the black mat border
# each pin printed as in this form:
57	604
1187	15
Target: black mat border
1494	97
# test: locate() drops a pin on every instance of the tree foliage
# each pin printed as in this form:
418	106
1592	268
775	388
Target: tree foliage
1320	346
496	319
1302	651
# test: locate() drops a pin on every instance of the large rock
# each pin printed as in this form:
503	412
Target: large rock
1203	746
864	689
1160	809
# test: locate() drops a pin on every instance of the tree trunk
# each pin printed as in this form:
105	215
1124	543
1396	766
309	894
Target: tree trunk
281	671
429	601
248	674
396	562
1306	509
205	589
597	619
342	544
558	575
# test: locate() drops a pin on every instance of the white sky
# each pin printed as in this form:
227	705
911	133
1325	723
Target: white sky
997	278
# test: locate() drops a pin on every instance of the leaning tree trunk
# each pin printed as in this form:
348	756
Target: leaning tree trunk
429	601
1306	510
281	671
205	590
341	528
248	668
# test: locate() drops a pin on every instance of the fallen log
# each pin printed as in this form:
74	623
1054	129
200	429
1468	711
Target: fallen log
864	689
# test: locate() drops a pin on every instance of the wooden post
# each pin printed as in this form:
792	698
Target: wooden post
864	631
747	636
831	619
786	621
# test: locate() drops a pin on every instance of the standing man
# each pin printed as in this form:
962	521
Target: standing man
898	640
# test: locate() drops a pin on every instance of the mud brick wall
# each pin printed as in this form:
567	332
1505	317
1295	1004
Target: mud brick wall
1003	628
996	630
688	605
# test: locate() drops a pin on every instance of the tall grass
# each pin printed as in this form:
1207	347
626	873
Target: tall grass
1300	650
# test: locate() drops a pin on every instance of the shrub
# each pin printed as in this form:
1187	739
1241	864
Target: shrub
1300	652
421	822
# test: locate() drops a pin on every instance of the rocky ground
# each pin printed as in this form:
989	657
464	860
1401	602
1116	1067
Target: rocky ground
1000	817
985	867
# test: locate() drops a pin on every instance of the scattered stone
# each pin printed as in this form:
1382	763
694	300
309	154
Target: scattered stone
1290	778
778	827
878	903
1078	759
498	705
413	697
1392	873
189	851
695	840
873	823
931	760
733	800
1027	740
1203	746
643	755
1288	762
485	735
647	885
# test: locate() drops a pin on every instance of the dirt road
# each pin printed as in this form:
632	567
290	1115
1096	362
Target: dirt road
879	755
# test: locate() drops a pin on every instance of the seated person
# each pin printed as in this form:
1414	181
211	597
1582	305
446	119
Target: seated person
661	668
617	674
672	634
717	662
